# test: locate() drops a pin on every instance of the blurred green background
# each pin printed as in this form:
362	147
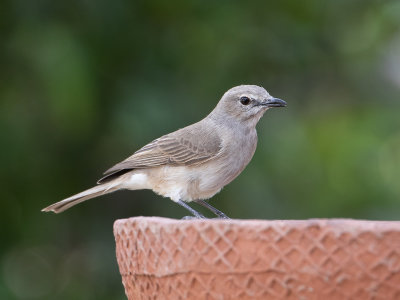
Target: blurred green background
83	84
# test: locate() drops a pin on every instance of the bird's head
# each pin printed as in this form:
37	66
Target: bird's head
246	103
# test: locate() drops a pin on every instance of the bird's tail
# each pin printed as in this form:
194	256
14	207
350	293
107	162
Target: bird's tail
83	196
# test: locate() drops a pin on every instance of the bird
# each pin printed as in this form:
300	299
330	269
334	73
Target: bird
193	163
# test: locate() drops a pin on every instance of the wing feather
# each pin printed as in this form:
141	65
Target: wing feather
192	145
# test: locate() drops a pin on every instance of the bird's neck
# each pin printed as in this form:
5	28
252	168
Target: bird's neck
230	121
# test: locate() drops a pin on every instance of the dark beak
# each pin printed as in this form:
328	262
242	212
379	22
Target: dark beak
274	102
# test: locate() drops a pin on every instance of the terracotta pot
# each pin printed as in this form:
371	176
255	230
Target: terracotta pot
237	259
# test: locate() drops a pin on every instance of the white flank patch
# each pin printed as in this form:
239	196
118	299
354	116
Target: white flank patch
137	182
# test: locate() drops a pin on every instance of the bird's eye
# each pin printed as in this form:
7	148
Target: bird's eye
245	100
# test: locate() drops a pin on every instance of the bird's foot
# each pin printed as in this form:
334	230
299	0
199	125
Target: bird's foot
217	212
195	213
204	218
223	217
193	218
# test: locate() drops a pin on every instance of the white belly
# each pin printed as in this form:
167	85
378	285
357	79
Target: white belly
184	183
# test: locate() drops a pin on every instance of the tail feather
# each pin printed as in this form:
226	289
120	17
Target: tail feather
83	196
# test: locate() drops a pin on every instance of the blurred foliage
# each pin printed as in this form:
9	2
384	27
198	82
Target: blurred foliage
83	84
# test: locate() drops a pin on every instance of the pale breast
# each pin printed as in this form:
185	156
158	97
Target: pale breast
237	155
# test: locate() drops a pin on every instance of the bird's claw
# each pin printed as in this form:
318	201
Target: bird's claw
193	218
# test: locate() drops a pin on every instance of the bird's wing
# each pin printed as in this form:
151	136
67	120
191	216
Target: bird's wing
192	145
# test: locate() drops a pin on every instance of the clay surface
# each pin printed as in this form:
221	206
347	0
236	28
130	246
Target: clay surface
254	259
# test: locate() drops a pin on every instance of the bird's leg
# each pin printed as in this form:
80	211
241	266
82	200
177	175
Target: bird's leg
196	214
217	212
